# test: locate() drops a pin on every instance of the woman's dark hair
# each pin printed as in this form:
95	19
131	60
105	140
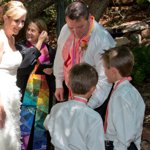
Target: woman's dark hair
40	24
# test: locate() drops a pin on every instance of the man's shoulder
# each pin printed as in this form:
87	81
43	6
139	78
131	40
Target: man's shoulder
65	29
101	37
64	33
99	28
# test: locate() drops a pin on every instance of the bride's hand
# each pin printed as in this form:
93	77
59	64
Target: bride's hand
2	117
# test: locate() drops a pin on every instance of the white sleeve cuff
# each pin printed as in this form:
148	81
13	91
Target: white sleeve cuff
59	83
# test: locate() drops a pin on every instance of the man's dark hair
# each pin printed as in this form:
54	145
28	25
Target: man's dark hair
76	10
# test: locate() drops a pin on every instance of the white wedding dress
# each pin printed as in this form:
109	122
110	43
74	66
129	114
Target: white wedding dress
10	97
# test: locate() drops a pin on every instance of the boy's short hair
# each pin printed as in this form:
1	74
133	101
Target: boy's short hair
121	58
82	77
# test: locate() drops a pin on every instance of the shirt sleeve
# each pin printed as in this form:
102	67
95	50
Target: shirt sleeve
58	61
100	41
102	88
49	121
46	121
30	55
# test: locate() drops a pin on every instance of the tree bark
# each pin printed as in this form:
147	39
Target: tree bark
35	7
97	7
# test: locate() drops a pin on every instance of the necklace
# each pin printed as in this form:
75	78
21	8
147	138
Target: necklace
80	99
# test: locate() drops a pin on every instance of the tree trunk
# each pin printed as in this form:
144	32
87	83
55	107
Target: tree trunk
97	7
35	7
60	5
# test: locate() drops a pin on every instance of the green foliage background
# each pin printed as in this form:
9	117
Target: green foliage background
141	70
142	1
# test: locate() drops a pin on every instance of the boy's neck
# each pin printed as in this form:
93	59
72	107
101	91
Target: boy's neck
80	95
118	77
80	99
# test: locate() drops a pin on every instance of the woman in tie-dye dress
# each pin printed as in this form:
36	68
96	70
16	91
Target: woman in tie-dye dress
35	100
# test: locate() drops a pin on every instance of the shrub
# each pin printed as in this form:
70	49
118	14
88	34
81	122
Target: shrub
141	70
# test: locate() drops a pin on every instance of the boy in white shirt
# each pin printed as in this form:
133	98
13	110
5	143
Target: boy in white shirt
125	111
72	124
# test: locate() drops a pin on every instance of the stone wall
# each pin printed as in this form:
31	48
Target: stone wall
131	33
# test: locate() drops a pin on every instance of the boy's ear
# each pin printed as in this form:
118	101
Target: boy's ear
114	70
92	89
90	92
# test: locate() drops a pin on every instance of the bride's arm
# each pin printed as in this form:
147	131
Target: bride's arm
1	50
2	111
2	115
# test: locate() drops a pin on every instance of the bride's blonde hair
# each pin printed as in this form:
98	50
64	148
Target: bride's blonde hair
13	9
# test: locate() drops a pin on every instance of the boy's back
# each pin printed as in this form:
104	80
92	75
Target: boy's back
75	126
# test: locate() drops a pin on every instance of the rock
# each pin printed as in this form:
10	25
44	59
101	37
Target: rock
145	144
136	38
146	134
123	2
145	33
122	41
134	26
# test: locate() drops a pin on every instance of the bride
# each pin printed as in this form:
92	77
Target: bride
13	17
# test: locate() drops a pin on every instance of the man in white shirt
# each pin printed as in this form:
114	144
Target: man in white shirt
82	39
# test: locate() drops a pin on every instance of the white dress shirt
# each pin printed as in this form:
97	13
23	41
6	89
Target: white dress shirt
125	116
75	126
100	40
